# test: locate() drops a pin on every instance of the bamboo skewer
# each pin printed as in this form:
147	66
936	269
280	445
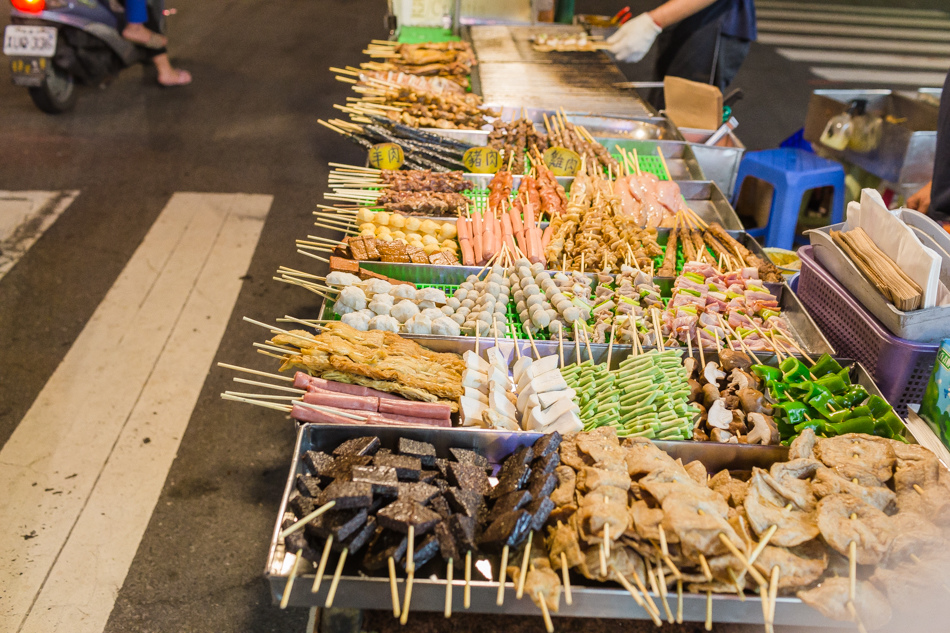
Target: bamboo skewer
524	567
393	588
502	572
288	588
322	566
448	589
331	594
411	574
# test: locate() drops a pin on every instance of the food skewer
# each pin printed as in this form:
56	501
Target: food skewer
288	588
502	572
393	588
524	567
411	574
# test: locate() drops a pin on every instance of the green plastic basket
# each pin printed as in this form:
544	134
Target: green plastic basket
419	34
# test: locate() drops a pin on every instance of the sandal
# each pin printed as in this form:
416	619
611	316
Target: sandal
153	41
182	78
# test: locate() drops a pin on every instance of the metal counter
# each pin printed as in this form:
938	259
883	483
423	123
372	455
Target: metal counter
511	73
905	154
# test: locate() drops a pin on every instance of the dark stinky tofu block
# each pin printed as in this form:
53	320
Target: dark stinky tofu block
540	510
297	543
442	465
384	451
511	502
407	467
423	450
542	486
402	513
340	524
379	501
358	446
318	462
343	465
447	546
383	479
467	502
523	455
441	506
546	444
441	484
546	465
308	485
358	539
384	544
465	456
463	530
419	492
425	550
301	506
347	495
469	478
509	529
429	476
513	476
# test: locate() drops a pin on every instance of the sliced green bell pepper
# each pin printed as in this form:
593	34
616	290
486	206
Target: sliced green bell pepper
863	424
777	389
878	406
825	365
793	370
893	422
794	412
855	395
767	373
833	383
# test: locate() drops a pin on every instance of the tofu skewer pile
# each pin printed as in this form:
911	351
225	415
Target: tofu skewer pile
536	399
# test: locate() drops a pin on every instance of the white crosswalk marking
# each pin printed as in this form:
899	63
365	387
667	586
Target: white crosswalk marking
85	466
864	59
853	44
850	18
884	78
789	4
778	26
872	46
24	217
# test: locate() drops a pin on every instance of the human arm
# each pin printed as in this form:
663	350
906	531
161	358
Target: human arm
920	201
634	39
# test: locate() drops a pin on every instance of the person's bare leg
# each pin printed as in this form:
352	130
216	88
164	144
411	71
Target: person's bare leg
168	75
140	35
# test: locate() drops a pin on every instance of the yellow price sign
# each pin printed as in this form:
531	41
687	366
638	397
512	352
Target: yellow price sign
481	160
562	161
386	156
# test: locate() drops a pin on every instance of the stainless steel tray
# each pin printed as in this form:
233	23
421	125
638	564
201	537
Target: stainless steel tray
653	128
930	325
590	599
702	196
803	328
905	154
719	162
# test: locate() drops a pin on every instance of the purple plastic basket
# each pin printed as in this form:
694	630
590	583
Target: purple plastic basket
901	368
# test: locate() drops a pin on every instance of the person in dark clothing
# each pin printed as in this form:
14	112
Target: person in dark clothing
700	40
934	197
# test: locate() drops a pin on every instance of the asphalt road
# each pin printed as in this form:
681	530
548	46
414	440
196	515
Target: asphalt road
248	125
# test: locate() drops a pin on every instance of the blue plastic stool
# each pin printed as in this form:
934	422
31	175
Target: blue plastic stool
792	173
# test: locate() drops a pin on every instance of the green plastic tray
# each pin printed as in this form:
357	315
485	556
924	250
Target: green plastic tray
418	34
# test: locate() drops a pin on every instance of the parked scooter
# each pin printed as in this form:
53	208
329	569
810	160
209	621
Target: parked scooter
55	45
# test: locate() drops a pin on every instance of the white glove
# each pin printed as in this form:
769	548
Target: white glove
633	40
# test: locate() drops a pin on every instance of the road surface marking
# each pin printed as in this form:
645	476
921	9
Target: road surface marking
807	7
853	43
861	76
83	470
24	217
777	26
850	18
864	59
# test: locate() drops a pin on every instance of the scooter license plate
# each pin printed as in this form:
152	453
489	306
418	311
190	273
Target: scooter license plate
29	41
28	71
